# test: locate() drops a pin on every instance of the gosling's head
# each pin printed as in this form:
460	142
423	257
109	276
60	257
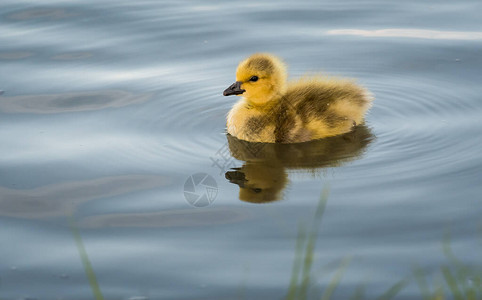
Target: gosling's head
260	78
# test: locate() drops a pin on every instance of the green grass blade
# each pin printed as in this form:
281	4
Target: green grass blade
452	283
393	290
449	254
471	294
89	271
295	272
439	293
462	271
310	247
477	281
359	293
470	290
320	210
419	275
307	264
335	281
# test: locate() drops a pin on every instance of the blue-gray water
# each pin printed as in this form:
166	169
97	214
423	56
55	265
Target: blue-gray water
110	106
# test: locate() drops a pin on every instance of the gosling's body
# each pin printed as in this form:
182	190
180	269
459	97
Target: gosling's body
273	111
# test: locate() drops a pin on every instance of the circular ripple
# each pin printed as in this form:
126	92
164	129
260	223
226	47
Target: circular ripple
425	129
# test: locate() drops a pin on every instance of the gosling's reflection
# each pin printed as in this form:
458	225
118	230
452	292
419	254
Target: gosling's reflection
263	176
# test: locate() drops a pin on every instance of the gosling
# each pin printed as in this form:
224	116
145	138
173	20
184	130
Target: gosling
274	111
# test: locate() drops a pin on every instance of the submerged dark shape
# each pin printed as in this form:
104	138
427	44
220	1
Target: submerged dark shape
263	176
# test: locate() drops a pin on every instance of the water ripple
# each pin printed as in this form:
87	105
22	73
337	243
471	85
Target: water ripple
411	33
70	102
421	128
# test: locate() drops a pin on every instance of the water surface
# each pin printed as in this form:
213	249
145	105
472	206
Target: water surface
109	107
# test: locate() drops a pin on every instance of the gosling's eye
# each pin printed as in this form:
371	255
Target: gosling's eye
253	78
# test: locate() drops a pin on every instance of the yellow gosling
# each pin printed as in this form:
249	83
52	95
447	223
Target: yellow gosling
274	111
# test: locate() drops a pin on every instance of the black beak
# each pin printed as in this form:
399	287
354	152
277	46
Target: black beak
234	89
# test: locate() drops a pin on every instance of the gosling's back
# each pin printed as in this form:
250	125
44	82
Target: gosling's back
327	106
